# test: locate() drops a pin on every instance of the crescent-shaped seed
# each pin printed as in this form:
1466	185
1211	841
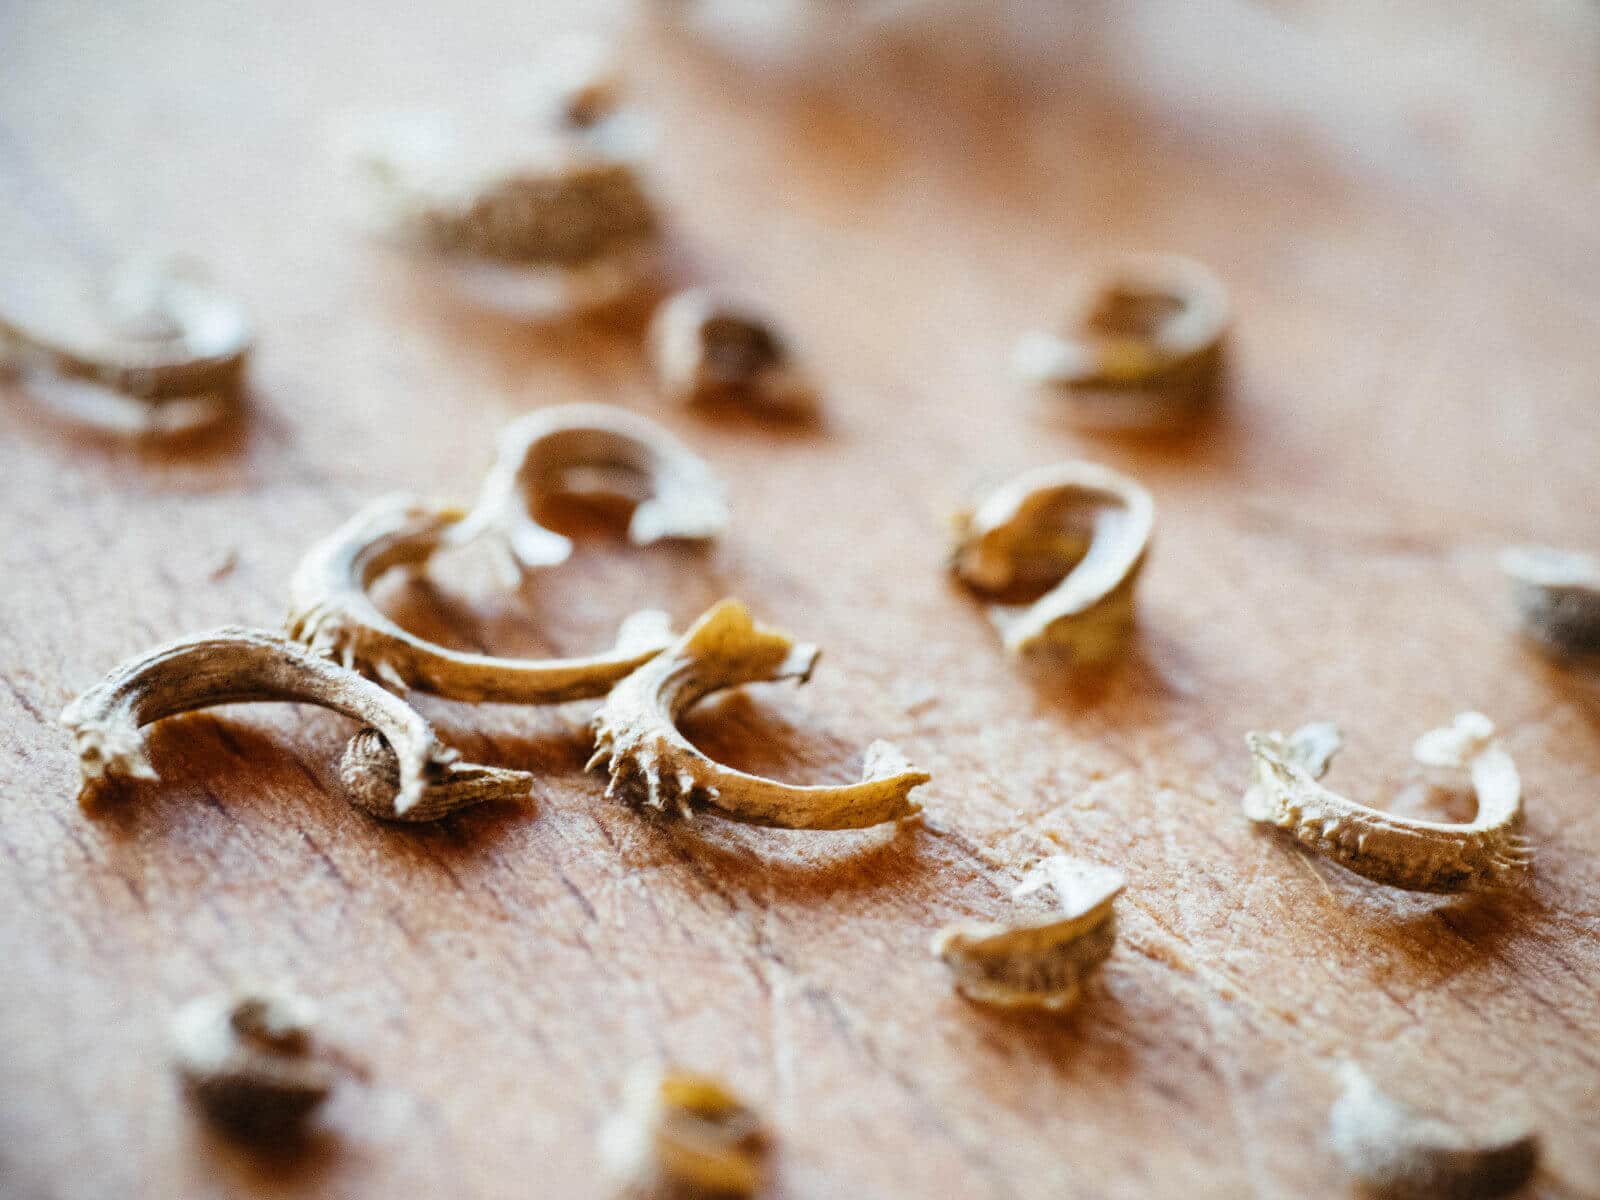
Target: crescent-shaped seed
420	779
711	350
652	764
249	1062
1405	852
150	352
332	613
1081	530
1142	349
1401	1154
1557	594
532	221
543	453
684	1135
1040	963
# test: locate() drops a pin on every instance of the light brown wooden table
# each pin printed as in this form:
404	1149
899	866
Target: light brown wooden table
1404	200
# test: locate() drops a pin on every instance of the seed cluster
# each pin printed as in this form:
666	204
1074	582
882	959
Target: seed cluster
1054	552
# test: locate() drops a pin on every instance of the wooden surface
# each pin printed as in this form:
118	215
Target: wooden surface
1404	201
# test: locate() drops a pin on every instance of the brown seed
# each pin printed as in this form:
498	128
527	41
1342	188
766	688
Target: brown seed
333	613
153	352
1404	852
421	780
711	350
248	1060
1142	348
685	1136
1403	1155
653	765
1040	963
1557	593
1079	530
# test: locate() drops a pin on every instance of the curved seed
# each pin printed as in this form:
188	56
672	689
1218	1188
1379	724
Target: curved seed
239	666
246	1059
1079	526
152	353
538	221
1557	593
712	350
542	453
332	612
1404	852
1143	347
1402	1155
679	1134
1041	963
650	762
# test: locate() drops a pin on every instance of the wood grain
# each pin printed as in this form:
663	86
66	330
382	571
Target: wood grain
1403	200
